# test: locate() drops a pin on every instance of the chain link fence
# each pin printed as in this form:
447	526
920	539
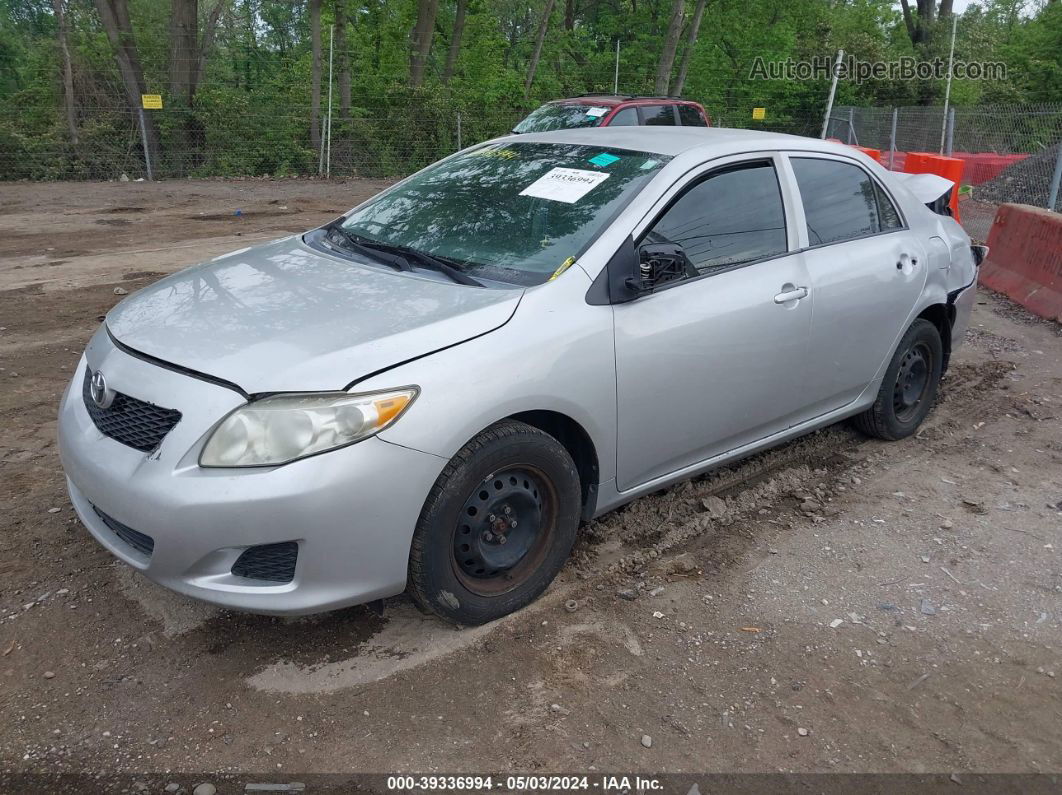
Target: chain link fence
386	141
378	140
1012	153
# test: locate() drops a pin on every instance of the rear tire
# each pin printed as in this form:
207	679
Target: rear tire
497	526
909	387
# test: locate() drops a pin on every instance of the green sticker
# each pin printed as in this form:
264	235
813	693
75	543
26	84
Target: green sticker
603	159
648	164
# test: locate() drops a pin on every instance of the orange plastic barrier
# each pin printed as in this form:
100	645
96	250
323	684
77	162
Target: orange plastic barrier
983	166
875	154
1025	258
947	167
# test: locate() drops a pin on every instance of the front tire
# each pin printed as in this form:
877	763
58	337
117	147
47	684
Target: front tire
909	387
497	526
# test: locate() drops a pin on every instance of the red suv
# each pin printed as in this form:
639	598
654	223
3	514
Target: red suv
611	110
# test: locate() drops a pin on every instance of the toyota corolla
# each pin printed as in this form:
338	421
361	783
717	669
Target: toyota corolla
431	392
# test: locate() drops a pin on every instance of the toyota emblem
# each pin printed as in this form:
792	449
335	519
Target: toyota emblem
101	395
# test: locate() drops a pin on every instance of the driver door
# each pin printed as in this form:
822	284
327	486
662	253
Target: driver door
712	361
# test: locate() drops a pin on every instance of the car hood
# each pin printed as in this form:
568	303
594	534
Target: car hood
285	317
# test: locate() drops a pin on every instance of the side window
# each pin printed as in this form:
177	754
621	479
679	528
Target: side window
628	117
841	201
890	219
731	217
658	114
690	116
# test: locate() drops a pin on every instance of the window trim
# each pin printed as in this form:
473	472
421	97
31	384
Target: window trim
791	155
744	161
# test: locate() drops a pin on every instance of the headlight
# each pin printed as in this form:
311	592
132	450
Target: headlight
279	429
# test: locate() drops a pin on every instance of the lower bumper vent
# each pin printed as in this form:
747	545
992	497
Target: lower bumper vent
270	562
144	544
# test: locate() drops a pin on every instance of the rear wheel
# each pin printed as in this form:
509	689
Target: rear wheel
910	385
497	526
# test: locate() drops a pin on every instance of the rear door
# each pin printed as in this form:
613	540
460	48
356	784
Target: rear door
710	363
867	270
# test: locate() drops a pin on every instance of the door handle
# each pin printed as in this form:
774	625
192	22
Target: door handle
791	295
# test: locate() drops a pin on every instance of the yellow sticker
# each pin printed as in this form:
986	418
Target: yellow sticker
503	154
759	113
151	101
563	267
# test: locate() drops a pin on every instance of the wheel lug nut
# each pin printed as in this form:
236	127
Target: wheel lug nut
512	523
508	510
492	517
502	539
488	535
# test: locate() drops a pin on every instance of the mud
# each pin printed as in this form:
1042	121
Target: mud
900	603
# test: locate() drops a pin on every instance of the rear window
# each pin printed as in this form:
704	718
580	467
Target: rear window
690	116
561	117
659	114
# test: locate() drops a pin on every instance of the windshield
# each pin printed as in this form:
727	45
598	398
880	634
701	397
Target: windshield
510	211
562	117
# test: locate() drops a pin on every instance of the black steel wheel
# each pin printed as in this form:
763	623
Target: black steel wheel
504	529
909	387
497	527
912	381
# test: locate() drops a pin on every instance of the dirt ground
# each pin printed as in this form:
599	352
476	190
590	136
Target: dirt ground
837	604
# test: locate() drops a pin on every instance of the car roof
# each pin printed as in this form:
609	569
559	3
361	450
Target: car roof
612	100
674	141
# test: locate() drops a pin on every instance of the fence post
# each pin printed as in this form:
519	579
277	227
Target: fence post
951	132
851	124
328	134
459	147
833	91
144	141
892	139
1052	198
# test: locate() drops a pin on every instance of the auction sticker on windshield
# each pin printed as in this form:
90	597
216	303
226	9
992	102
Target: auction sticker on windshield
566	185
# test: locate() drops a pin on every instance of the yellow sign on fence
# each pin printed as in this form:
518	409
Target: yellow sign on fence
151	101
757	113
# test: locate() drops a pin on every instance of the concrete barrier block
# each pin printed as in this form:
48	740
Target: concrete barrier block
1025	258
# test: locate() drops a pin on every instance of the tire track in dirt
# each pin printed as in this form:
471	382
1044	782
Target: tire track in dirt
776	480
646	538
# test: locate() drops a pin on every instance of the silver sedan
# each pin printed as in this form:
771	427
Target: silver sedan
432	392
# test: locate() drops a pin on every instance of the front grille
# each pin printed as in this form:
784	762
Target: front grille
128	420
143	544
272	562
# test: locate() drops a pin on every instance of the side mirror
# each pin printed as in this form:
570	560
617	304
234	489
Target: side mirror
662	262
635	270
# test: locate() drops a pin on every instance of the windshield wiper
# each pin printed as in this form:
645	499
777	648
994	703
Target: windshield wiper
400	256
441	264
367	248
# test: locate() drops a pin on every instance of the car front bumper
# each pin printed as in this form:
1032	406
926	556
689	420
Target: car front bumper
351	511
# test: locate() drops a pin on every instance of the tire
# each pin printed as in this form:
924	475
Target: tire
497	526
909	387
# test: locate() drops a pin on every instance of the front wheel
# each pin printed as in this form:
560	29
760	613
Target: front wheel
910	385
497	527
